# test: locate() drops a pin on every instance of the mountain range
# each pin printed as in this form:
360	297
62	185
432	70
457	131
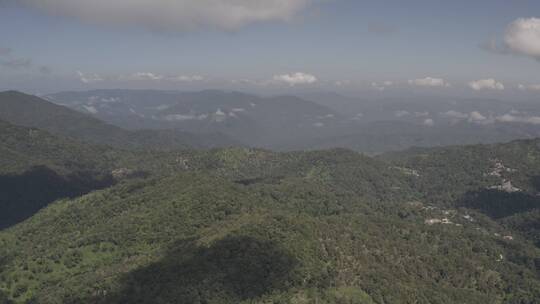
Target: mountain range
314	121
87	223
31	111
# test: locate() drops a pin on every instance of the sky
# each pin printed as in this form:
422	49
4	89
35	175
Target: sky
484	47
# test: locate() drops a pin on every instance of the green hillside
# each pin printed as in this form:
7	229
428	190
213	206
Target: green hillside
500	181
251	226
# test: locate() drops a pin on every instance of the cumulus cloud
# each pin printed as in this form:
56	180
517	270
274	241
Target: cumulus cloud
142	76
296	78
138	76
401	113
510	118
342	83
472	117
476	116
455	114
479	118
530	87
429	122
177	15
486	84
381	86
523	37
429	82
90	109
89	78
184	78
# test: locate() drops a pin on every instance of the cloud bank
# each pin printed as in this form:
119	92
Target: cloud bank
529	87
89	78
381	86
429	82
486	84
173	15
296	78
478	118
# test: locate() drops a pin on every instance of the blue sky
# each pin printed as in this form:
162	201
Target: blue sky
337	45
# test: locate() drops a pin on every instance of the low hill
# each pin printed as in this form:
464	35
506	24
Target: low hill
37	168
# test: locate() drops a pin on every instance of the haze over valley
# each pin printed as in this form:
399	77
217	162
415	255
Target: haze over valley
269	151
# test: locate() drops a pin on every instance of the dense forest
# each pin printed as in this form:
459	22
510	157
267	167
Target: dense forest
84	223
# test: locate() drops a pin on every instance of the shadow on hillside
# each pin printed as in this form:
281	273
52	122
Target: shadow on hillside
25	194
535	182
499	204
516	210
231	270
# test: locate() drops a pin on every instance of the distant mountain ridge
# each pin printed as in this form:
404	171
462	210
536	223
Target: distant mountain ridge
370	124
256	121
31	111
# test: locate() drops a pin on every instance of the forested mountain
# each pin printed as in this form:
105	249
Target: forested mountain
31	111
251	226
37	168
254	120
500	181
269	152
370	124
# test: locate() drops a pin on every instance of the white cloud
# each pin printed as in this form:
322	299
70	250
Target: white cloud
91	109
486	84
142	76
89	78
472	117
455	114
296	78
523	37
183	78
179	117
173	15
401	113
342	83
509	118
477	117
382	85
429	122
530	87
429	82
